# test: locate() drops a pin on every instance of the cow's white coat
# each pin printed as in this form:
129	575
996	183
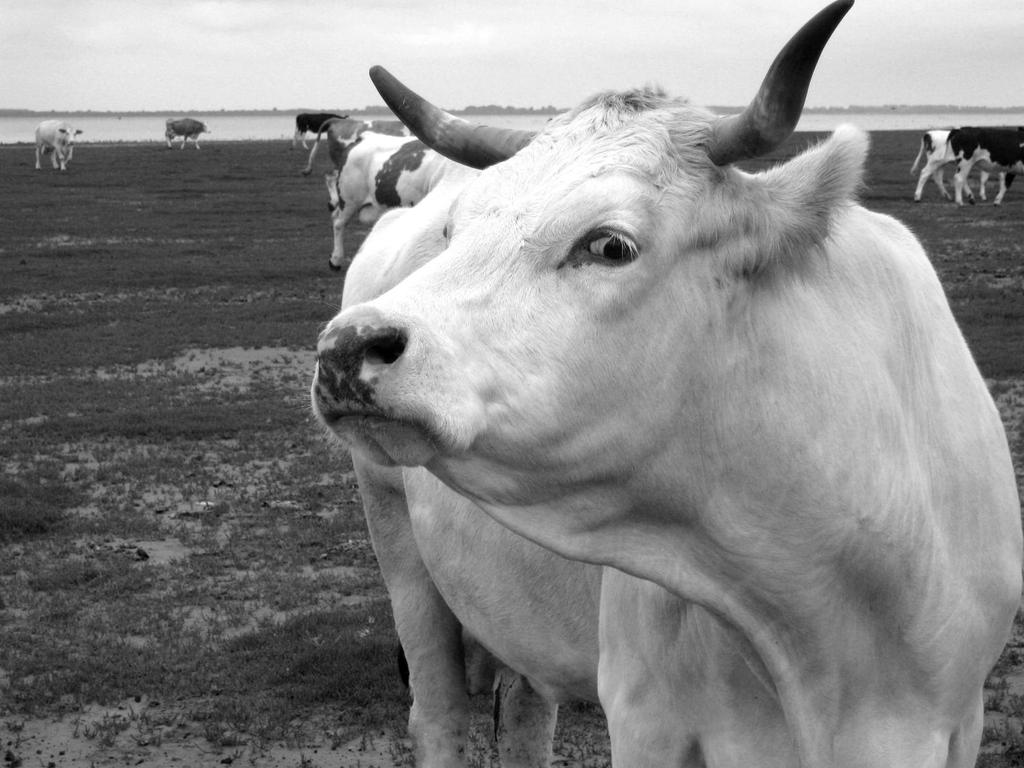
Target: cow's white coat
57	139
771	413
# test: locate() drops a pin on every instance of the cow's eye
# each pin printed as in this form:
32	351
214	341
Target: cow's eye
611	248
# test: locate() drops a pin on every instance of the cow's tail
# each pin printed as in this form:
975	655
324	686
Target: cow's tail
316	143
920	154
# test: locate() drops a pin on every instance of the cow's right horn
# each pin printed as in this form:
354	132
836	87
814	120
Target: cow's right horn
477	146
773	114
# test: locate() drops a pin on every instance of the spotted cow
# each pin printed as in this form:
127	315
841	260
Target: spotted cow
999	149
342	133
311	122
936	154
379	172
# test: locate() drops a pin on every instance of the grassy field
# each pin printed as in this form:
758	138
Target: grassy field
183	559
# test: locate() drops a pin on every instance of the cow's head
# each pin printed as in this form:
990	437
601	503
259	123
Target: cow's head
588	312
68	134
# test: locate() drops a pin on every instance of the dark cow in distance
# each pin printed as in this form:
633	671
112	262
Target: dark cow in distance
310	122
186	128
343	132
992	149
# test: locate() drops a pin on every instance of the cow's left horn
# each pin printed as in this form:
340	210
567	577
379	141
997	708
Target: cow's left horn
477	146
773	114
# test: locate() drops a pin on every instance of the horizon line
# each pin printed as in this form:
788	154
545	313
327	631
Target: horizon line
493	109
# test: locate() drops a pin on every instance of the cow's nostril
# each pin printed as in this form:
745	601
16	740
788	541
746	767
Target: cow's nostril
386	347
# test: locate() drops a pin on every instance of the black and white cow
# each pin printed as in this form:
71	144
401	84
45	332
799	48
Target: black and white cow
379	172
186	128
310	122
998	149
936	154
343	132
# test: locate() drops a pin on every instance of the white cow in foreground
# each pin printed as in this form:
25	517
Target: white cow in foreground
449	568
57	139
745	388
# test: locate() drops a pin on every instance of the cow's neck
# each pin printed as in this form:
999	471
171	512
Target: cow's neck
811	651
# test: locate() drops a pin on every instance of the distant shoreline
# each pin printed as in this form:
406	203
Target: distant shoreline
906	109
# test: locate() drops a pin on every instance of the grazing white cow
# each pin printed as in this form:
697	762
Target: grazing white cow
451	570
937	154
186	128
380	172
744	388
343	133
57	139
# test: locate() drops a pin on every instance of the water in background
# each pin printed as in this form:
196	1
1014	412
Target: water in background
144	128
269	127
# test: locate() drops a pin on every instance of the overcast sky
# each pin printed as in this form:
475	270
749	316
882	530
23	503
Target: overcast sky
287	54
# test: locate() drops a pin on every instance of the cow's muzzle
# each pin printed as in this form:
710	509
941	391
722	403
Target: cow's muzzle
350	361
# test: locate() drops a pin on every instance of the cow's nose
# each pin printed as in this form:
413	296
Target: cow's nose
351	357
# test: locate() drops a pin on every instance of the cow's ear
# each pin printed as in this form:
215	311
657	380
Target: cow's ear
778	217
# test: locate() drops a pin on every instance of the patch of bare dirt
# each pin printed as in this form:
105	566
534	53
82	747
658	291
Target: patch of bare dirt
144	732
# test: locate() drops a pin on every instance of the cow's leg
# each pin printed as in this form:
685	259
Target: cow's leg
525	722
936	173
55	159
939	177
1003	185
431	636
38	153
195	141
339	219
982	181
638	681
922	180
959	182
964	744
681	688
